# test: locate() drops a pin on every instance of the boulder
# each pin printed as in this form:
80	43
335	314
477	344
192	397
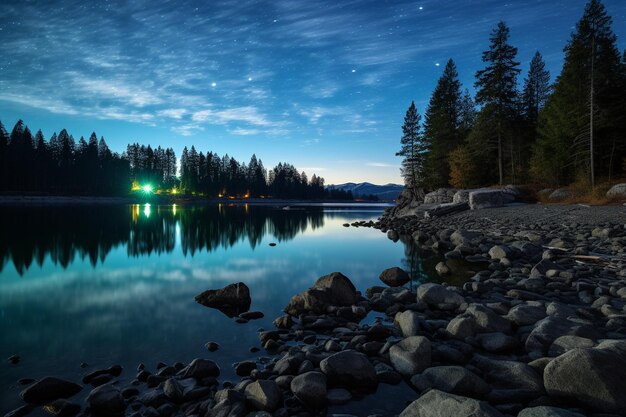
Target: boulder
590	377
310	389
501	251
201	368
524	314
462	196
560	194
509	374
330	290
451	379
411	355
106	400
264	395
49	389
465	238
436	295
394	277
550	328
442	195
485	198
407	203
617	191
443	269
497	342
545	411
231	300
436	403
349	368
487	320
409	322
568	342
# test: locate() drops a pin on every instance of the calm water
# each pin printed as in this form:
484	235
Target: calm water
116	284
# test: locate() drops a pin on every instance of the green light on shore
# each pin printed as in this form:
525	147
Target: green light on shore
147	188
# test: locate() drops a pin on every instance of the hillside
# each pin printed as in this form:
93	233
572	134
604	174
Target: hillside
385	192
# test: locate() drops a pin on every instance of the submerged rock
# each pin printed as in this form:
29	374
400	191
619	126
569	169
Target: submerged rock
330	290
49	389
231	300
394	277
106	400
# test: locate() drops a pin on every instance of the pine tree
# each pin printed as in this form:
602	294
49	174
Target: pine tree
412	151
497	89
580	126
536	89
442	126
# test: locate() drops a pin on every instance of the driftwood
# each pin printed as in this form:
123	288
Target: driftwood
445	209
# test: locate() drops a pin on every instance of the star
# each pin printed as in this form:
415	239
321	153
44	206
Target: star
249	78
353	71
213	84
436	64
421	8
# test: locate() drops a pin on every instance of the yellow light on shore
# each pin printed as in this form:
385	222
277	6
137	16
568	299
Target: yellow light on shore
174	190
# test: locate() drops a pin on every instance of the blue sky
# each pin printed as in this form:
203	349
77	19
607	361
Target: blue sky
322	84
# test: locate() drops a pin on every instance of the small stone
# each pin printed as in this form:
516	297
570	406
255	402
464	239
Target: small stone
394	277
14	359
212	346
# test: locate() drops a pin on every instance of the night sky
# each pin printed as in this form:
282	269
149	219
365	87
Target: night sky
321	84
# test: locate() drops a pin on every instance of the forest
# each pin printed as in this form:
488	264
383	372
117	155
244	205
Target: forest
29	164
571	131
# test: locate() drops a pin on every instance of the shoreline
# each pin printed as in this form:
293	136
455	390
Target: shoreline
527	335
155	199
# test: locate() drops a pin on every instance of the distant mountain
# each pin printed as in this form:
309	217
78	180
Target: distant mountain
385	192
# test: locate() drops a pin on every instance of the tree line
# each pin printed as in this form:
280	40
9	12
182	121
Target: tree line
31	164
572	130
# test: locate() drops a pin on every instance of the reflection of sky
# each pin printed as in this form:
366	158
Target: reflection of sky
129	310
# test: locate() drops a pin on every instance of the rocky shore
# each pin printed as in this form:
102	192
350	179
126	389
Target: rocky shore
538	331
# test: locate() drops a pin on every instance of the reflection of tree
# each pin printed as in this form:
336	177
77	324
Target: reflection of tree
61	234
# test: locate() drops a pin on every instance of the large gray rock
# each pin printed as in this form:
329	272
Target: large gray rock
451	379
394	277
334	289
310	389
617	191
436	295
486	198
591	377
411	355
106	400
509	374
545	411
442	195
466	238
48	389
560	194
487	320
436	403
524	314
201	368
409	322
349	368
462	196
550	328
232	300
263	395
568	342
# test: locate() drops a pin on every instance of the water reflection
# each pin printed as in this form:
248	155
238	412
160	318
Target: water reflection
62	234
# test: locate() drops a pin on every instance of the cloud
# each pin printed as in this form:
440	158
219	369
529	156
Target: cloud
380	165
172	113
246	114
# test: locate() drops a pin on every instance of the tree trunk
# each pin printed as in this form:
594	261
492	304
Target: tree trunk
500	167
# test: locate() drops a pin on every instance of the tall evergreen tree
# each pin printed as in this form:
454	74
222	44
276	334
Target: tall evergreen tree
412	151
497	89
442	126
582	121
536	89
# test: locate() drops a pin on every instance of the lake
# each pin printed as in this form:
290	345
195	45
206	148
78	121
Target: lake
112	284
